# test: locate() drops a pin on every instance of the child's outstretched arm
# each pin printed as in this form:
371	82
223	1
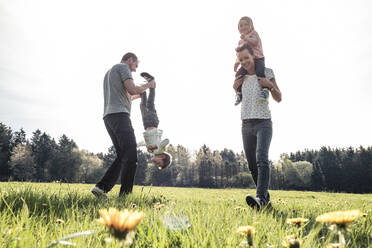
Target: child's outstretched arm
252	39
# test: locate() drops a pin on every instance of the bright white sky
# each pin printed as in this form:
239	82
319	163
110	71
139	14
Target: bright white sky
54	54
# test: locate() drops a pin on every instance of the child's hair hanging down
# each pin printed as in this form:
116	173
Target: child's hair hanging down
152	134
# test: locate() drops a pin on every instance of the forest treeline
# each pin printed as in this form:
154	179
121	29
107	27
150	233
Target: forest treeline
43	159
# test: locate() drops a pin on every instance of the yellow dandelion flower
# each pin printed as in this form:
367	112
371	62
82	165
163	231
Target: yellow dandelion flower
60	221
246	230
120	222
297	221
291	241
335	245
238	208
280	201
158	205
339	217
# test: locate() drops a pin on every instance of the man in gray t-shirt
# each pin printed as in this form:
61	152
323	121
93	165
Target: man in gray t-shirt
116	98
118	87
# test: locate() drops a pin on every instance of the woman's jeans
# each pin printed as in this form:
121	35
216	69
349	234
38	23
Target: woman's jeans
257	135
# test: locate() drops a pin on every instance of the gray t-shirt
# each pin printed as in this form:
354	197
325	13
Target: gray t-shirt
116	98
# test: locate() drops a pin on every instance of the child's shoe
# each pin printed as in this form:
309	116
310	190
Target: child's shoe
238	98
265	94
147	76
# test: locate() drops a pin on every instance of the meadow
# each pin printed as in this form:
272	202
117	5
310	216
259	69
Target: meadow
37	214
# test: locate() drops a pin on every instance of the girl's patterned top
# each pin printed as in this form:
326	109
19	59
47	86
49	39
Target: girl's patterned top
252	105
257	49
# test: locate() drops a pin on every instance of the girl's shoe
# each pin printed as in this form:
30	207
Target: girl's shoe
265	94
238	98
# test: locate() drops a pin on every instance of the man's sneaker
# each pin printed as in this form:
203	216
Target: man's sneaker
265	94
253	202
147	76
238	98
99	193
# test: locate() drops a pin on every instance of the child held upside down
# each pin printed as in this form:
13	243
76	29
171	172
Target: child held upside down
152	134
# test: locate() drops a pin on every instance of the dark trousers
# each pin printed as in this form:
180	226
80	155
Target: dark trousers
120	129
259	64
257	135
148	111
150	101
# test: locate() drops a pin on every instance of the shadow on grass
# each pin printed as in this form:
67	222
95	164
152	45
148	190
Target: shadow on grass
59	204
279	215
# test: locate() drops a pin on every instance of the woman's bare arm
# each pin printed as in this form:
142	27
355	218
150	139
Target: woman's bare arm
273	86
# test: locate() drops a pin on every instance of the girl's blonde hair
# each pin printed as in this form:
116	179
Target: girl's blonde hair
247	20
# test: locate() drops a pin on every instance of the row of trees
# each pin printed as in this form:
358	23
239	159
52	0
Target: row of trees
43	159
346	169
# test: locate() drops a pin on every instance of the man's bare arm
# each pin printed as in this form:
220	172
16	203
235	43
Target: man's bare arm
135	89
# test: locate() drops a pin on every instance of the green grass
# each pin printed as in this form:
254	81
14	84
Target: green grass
28	214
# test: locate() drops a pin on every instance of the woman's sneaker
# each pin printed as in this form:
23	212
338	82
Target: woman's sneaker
147	76
254	202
